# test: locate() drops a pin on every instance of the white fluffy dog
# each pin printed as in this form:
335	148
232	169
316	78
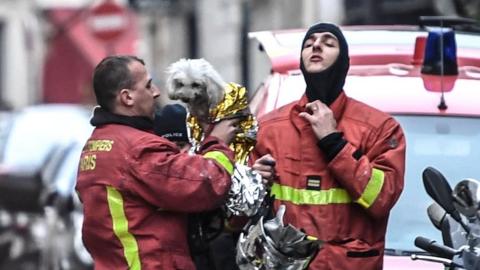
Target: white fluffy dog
195	82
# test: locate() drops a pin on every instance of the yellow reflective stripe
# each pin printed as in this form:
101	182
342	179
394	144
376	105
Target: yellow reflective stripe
220	158
373	188
120	228
331	196
303	196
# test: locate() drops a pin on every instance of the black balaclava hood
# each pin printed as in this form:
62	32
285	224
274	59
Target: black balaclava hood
327	85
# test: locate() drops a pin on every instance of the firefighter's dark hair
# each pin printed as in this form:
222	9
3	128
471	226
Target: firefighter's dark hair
110	76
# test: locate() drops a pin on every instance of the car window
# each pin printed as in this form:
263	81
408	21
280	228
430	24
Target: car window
45	139
449	144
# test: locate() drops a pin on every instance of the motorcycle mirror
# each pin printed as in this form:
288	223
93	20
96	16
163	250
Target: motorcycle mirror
440	191
436	214
466	197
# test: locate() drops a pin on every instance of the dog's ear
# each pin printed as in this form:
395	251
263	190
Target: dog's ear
215	91
214	83
172	71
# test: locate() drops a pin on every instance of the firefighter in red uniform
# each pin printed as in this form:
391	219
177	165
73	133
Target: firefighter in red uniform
136	187
336	163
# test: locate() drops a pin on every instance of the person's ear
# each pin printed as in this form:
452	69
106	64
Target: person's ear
126	97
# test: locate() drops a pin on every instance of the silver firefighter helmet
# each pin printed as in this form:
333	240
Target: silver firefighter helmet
269	245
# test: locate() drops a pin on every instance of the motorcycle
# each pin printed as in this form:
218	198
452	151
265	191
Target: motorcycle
456	214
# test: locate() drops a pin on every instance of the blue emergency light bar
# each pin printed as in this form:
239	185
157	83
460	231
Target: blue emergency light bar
440	69
440	56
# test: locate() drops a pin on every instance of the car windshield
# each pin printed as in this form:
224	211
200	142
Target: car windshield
449	144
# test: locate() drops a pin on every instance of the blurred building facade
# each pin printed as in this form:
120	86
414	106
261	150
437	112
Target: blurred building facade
20	53
47	53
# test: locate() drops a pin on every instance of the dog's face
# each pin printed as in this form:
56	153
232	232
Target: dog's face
195	82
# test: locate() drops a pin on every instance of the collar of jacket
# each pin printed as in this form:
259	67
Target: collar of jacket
103	117
337	108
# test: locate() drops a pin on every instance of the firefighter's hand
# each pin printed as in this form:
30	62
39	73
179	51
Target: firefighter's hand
265	166
320	118
226	130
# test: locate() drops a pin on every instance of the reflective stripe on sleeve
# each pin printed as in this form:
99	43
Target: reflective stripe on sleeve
303	196
220	158
330	196
373	188
120	228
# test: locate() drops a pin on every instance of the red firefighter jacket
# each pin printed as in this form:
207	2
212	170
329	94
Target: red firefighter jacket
346	201
137	188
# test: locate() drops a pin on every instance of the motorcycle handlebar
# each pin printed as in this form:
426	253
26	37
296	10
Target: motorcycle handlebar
433	247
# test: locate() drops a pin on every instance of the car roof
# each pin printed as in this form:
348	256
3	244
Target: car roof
382	72
368	45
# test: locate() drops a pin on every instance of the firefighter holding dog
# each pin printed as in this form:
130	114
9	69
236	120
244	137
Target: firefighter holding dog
136	187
